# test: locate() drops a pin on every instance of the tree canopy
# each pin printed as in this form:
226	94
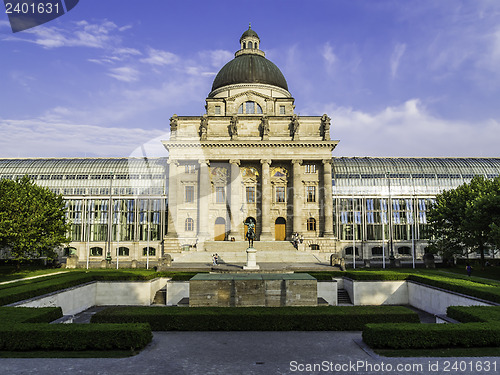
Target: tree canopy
467	218
32	220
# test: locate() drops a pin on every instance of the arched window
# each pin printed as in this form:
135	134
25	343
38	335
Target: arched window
244	45
69	251
152	251
348	251
96	251
123	251
250	45
250	108
314	246
189	225
404	250
377	250
311	224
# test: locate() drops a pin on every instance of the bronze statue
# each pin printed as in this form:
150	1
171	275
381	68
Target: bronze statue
250	235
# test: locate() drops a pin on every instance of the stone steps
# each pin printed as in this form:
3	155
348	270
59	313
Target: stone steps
238	246
343	297
241	257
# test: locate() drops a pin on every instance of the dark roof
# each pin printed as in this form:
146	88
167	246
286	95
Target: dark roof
249	68
249	32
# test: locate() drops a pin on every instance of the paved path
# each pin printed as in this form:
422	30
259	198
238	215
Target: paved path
242	353
32	277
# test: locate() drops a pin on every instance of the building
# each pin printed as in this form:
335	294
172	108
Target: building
249	158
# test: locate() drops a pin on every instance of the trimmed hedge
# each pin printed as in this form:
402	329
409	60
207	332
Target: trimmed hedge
342	318
25	289
73	337
475	289
11	315
428	336
470	314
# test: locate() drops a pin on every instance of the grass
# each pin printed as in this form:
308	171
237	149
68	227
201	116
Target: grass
448	352
9	273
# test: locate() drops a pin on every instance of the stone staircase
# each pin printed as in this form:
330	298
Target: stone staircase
234	252
343	297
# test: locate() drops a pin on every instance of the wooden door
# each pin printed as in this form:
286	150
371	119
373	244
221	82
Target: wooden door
280	229
220	232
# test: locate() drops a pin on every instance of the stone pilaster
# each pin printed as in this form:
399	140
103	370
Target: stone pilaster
236	219
173	186
327	188
203	200
265	233
297	196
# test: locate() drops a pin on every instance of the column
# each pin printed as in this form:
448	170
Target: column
172	198
297	196
327	188
203	199
265	232
236	219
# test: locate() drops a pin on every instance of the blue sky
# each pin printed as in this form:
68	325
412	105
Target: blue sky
398	78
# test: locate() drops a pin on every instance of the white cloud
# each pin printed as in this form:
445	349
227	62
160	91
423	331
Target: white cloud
55	139
160	58
410	130
217	57
125	74
328	55
396	56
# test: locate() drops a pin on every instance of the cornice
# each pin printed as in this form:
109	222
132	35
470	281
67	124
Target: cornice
260	144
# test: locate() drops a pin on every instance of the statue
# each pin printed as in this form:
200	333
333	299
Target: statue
265	127
325	127
233	127
295	126
250	235
203	127
173	123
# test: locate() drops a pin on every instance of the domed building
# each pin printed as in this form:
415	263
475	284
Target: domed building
250	158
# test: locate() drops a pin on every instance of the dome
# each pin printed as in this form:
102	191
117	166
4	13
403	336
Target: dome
249	68
249	33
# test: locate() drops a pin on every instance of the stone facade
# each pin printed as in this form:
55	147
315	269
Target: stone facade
250	157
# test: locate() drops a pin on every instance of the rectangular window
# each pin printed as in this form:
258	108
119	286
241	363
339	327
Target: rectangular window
217	109
311	194
220	194
250	194
310	168
189	194
282	109
190	168
280	194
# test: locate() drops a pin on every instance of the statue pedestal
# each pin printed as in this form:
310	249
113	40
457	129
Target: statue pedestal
251	260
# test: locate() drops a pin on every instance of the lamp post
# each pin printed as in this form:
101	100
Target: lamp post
110	218
389	212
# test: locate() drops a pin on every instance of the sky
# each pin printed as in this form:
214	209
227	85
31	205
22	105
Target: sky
398	78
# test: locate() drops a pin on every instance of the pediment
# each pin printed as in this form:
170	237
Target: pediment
250	95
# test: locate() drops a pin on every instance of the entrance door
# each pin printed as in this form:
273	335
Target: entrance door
280	229
245	229
220	229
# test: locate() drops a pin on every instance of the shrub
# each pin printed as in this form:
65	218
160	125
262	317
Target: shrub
256	318
72	337
11	315
469	314
427	336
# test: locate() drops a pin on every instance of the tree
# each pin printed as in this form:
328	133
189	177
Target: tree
466	219
32	220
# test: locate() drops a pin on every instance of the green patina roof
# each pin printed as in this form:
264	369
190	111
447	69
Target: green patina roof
249	68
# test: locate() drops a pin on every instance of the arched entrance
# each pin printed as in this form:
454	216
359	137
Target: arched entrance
249	220
280	229
220	229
